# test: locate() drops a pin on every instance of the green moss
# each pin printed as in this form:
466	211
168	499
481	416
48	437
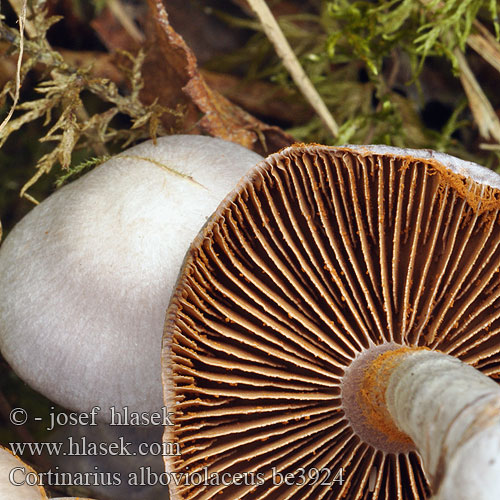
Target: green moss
377	64
67	125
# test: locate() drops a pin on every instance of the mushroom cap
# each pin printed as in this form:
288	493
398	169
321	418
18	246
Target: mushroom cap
469	169
86	276
320	258
10	491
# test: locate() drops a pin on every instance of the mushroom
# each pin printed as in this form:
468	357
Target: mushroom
335	332
13	485
19	481
86	276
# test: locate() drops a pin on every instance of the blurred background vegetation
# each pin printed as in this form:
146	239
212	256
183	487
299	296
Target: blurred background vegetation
100	75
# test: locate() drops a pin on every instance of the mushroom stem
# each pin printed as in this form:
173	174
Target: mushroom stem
450	410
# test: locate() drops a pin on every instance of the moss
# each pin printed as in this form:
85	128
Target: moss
377	64
58	100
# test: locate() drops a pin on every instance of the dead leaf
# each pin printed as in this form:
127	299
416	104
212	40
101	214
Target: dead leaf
112	33
260	98
178	80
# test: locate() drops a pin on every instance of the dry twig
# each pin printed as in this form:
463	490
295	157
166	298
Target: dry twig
22	21
116	7
486	45
482	110
283	49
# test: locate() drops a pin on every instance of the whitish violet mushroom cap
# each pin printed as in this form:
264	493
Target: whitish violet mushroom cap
86	276
18	480
468	169
319	260
13	470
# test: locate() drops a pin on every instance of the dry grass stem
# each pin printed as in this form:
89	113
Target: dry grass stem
18	6
22	21
283	49
490	147
118	10
482	110
485	44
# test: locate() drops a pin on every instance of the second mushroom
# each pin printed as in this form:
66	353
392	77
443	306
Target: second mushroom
335	332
